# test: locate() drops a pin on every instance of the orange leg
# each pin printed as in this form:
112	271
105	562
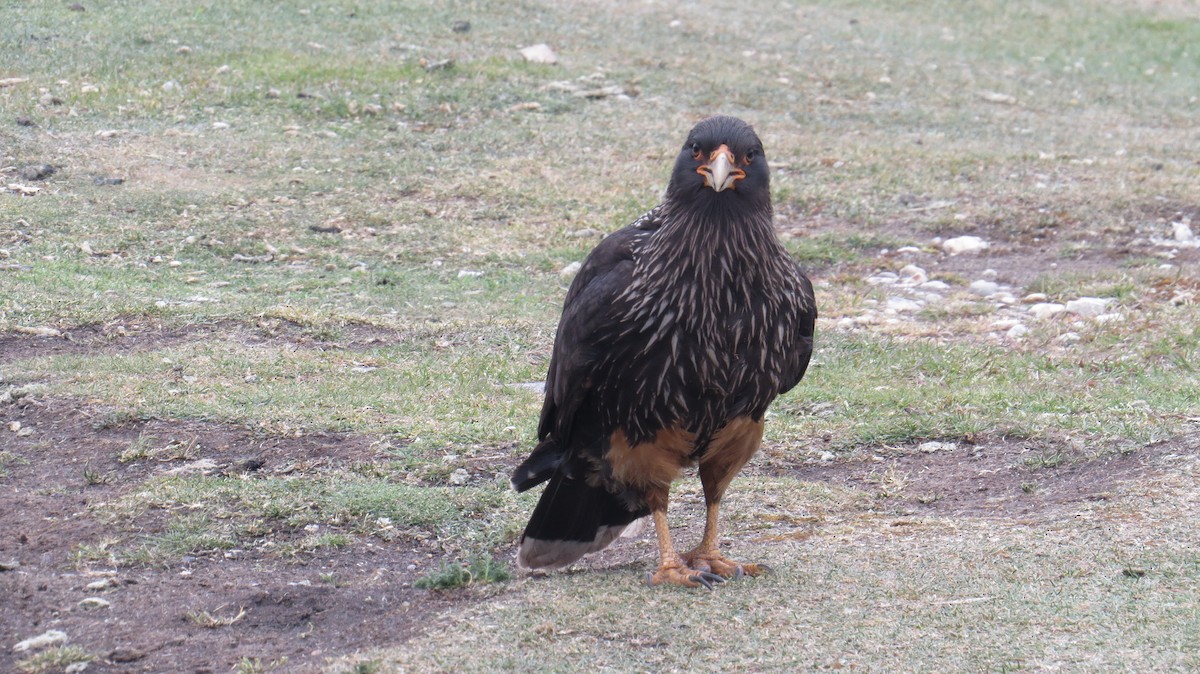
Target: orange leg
705	557
672	569
718	467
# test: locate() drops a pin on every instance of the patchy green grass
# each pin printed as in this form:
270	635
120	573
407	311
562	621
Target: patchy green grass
480	570
56	659
209	514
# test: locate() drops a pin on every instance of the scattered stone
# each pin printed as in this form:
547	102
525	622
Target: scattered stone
585	233
1043	310
469	273
219	126
1003	297
126	655
76	667
11	565
37	172
1087	306
459	477
935	285
601	92
1109	318
25	121
997	97
936	446
12	81
983	288
964	244
1034	298
908	249
571	270
913	274
23	190
1181	232
94	603
201	466
1069	337
252	259
43	640
461	27
540	53
1017	331
901	305
440	64
883	278
102	584
38	331
76	7
988	274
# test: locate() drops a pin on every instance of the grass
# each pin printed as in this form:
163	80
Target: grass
210	621
453	575
55	659
375	249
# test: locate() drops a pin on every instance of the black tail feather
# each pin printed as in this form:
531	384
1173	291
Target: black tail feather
538	466
571	519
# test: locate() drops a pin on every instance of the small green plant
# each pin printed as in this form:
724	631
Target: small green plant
479	570
210	621
101	553
1046	460
54	660
139	448
9	459
94	477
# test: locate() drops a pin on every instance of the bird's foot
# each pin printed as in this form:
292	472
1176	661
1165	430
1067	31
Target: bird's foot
678	574
712	562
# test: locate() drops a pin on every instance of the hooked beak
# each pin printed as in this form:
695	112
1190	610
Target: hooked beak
721	172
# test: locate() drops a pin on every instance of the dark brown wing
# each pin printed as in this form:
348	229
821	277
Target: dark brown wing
579	347
797	361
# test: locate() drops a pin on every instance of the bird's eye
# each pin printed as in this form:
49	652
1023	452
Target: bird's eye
751	156
695	148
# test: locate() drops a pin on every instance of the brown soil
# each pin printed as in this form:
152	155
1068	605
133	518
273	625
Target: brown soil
140	335
1003	479
291	611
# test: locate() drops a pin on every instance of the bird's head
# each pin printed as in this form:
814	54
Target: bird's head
722	158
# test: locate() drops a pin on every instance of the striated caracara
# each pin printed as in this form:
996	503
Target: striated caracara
677	333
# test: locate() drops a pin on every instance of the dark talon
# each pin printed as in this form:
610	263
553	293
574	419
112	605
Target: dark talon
765	569
700	578
711	578
649	579
737	574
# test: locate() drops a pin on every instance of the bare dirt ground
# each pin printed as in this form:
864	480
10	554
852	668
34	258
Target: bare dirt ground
48	513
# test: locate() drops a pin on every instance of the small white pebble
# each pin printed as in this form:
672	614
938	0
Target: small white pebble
1046	309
